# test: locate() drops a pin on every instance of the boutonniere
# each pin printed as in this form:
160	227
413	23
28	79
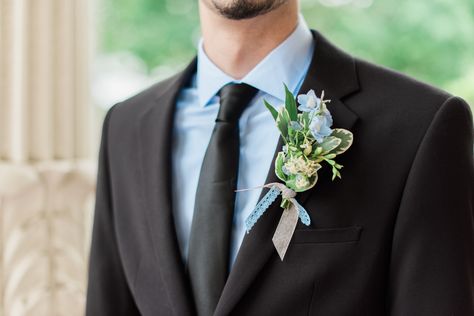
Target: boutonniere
310	143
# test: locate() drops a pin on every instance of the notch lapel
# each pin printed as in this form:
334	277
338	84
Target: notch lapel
334	72
155	134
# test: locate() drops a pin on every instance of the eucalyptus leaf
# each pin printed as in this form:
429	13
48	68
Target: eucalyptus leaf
346	138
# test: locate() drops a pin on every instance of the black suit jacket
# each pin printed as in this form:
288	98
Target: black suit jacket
393	237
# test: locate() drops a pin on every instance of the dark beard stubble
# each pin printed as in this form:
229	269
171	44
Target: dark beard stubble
246	9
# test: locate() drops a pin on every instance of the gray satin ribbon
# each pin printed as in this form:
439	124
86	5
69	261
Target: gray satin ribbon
285	229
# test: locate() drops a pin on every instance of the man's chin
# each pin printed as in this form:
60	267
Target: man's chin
245	9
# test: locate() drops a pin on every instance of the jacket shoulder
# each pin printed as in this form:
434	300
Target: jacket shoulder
395	106
383	83
140	102
399	100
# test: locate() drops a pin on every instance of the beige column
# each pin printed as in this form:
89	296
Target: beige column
13	82
44	92
47	159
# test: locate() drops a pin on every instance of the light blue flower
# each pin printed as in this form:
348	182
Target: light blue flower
320	126
309	102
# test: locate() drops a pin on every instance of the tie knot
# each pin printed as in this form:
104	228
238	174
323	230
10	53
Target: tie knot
234	98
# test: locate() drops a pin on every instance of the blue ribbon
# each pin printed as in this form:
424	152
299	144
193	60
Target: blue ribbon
267	200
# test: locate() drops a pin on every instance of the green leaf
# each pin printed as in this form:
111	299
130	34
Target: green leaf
279	161
312	183
290	183
331	162
335	173
272	110
317	151
282	123
330	143
290	104
346	138
305	120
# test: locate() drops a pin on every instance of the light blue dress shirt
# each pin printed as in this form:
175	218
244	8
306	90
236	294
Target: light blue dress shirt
196	111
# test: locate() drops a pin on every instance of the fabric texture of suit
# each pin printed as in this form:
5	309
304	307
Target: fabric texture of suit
395	236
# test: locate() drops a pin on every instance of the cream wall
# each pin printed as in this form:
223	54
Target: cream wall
47	156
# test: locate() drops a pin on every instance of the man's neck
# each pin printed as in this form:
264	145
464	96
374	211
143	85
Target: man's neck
237	46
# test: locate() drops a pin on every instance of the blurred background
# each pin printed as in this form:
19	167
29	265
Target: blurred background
63	63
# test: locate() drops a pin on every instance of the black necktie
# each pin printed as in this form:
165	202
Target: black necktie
211	227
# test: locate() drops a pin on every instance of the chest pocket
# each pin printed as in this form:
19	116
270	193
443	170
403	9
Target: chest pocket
327	235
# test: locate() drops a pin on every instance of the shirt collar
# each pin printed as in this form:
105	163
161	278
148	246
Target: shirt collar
287	63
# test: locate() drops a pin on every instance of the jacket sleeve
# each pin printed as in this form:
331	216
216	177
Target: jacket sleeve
108	292
432	257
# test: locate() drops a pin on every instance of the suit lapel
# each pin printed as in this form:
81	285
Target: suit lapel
334	72
155	134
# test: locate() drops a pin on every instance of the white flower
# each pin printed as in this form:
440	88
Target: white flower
292	166
299	165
